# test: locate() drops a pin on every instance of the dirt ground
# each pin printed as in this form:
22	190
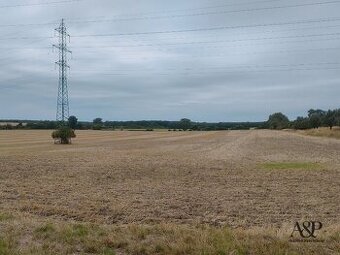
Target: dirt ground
217	178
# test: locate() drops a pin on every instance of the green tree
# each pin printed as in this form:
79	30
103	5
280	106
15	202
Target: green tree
337	117
316	112
315	120
98	121
63	135
301	123
278	121
97	124
185	124
72	122
330	119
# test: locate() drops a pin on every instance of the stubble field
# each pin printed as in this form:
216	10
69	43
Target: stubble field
252	184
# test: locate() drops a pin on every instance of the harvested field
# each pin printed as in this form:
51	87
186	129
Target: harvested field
177	178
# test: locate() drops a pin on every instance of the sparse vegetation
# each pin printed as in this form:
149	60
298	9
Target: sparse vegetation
162	239
5	216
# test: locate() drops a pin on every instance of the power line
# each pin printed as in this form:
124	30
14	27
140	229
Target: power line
209	13
203	56
220	56
118	46
212	42
200	43
199	8
223	72
187	72
297	22
28	24
185	43
203	70
268	52
27	38
39	4
110	20
224	67
211	28
248	32
205	46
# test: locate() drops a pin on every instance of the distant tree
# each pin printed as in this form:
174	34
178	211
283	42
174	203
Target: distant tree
195	127
301	123
72	122
80	125
316	117
109	125
337	117
98	121
9	126
185	124
315	120
97	127
278	121
330	118
63	135
97	124
43	125
316	112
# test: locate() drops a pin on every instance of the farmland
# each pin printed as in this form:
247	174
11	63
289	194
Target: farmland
148	192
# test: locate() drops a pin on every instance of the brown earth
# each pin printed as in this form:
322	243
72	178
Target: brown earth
216	178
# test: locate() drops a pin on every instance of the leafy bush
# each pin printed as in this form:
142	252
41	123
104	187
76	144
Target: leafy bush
63	135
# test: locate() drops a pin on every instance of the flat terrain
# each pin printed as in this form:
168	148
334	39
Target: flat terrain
236	179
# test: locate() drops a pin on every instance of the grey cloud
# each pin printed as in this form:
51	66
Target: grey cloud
167	78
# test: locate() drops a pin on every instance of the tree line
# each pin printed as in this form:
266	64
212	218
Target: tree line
100	124
315	118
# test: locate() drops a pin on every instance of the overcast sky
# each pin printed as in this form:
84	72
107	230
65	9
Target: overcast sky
226	69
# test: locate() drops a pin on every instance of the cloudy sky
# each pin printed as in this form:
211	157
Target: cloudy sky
208	60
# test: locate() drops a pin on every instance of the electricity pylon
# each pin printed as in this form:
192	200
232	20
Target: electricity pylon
62	101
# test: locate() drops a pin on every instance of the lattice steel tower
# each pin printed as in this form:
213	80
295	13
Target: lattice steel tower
62	101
